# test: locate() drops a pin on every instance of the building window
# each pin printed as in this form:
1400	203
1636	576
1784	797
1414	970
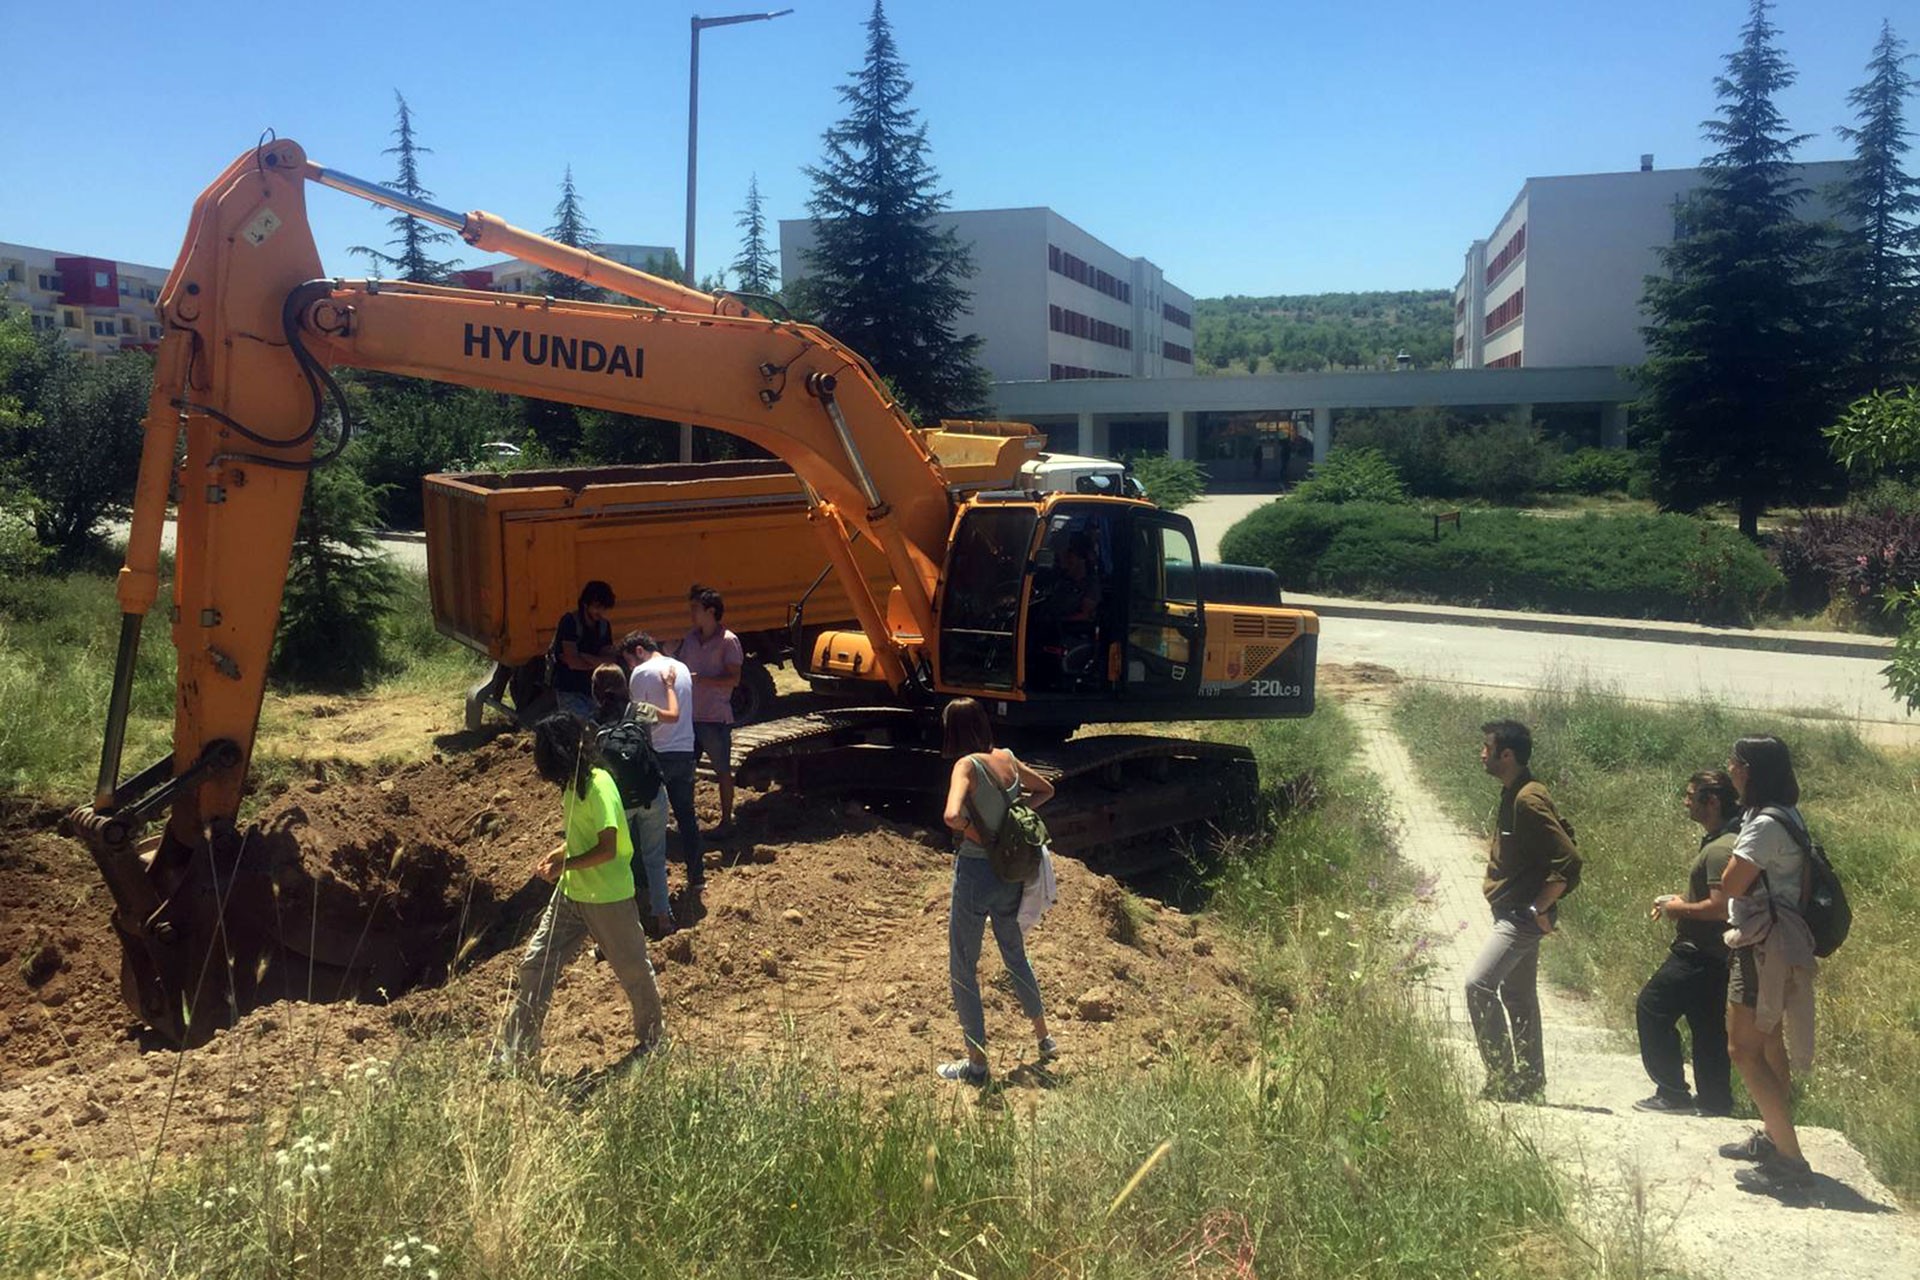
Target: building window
153	333
1459	344
1076	325
1505	362
1057	372
1060	262
1174	315
1177	353
126	289
150	294
103	328
49	282
101	280
14	274
42	322
1507	312
1510	252
69	319
126	324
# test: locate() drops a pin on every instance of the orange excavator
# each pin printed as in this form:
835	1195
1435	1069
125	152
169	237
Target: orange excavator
1056	609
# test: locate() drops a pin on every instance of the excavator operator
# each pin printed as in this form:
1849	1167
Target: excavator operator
1066	612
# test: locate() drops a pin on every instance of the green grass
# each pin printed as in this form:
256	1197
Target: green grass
1617	771
1345	1148
59	634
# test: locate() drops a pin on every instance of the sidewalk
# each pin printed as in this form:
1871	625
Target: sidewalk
1649	1187
1816	643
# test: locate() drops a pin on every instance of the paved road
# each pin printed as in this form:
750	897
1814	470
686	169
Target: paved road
1214	514
1487	656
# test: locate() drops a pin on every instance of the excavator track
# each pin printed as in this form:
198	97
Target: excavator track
1125	804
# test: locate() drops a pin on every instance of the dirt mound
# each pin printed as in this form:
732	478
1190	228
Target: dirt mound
823	923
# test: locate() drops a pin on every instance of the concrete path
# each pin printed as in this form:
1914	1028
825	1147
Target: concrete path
1650	1190
1216	513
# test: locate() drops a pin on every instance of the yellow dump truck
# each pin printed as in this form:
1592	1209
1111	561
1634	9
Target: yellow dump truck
507	553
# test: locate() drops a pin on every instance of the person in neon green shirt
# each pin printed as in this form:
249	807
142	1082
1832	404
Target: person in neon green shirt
593	896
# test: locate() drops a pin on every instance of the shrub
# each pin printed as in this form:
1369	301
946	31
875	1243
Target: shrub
1171	483
71	428
1448	453
1597	471
1886	494
1625	566
1353	475
1505	460
407	430
1852	558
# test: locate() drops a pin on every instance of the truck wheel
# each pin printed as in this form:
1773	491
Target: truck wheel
528	689
753	696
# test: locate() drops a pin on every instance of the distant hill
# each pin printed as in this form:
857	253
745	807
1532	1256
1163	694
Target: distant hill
1308	332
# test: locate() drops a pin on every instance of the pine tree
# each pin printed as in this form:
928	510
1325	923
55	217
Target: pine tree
1875	265
570	227
881	278
339	587
754	267
414	240
1738	379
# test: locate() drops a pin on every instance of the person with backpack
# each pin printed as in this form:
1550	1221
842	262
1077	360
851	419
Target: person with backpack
1772	962
592	874
1692	982
990	799
624	735
1531	864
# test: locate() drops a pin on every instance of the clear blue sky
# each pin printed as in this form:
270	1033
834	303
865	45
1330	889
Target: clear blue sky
1278	147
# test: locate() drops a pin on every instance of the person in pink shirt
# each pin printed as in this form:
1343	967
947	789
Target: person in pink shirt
714	656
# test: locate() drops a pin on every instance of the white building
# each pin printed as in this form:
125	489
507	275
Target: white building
512	275
1559	281
1050	302
98	305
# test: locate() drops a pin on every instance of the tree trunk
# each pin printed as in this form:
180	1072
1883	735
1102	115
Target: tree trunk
1750	508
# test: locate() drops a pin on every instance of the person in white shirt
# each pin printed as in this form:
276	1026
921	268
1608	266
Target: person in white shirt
656	677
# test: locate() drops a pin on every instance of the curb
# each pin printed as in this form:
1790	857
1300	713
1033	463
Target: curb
1817	645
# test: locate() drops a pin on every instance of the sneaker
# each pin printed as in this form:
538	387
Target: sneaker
1719	1111
962	1070
1775	1174
1755	1146
1048	1049
1666	1104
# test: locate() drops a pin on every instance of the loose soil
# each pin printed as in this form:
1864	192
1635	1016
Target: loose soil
824	931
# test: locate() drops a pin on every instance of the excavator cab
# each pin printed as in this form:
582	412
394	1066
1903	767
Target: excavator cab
1049	605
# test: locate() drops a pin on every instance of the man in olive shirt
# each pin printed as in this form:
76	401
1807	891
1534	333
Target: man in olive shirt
1531	863
1692	983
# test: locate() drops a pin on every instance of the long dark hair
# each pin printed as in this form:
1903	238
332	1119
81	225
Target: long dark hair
564	752
610	695
1770	779
965	728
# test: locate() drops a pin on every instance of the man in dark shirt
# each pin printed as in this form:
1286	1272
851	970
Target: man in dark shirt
1531	863
1692	982
582	641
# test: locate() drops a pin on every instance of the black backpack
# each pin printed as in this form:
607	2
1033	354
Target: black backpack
626	749
1823	900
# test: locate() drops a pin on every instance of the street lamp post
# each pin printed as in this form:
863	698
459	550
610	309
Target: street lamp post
693	111
700	24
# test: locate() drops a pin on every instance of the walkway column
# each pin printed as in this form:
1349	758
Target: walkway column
1179	424
1322	434
1093	435
1613	426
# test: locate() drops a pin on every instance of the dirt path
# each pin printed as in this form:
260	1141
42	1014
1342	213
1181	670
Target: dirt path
1651	1184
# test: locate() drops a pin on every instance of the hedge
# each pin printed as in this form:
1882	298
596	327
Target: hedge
1665	566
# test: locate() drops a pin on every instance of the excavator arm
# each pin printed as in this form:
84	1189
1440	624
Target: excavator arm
242	392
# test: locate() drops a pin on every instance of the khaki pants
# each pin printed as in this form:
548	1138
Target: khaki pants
564	930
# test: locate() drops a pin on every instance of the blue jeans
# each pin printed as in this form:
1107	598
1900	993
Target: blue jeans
649	830
980	896
676	770
579	704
